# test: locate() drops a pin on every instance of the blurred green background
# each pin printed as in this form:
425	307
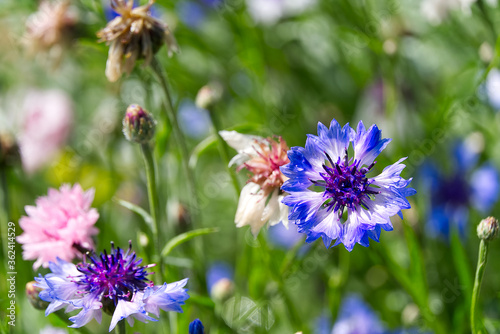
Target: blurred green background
422	80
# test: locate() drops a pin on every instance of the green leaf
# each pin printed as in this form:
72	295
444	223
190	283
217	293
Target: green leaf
417	266
461	262
182	238
137	209
203	146
201	300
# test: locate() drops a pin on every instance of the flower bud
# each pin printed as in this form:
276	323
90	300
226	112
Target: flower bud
209	95
222	290
143	239
220	281
32	292
488	228
196	327
138	125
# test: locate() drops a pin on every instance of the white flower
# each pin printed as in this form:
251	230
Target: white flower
492	87
435	11
271	11
260	199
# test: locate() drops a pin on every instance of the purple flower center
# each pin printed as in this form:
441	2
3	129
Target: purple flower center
113	277
346	185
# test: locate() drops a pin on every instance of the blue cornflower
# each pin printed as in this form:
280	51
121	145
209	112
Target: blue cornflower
356	317
115	283
454	192
196	327
324	164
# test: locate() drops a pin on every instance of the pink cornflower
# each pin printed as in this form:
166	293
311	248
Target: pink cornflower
61	225
47	117
260	199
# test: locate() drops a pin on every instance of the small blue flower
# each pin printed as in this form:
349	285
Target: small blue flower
356	317
115	283
323	164
196	327
191	13
454	192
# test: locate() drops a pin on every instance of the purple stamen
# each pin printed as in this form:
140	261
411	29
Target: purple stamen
345	184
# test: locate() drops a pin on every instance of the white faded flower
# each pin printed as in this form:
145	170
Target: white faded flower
260	199
134	34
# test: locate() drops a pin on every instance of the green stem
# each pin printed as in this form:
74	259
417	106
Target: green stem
481	265
293	314
120	328
194	203
149	163
181	141
406	281
224	152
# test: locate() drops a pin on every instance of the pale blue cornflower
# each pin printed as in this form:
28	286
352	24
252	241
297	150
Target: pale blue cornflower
115	283
324	164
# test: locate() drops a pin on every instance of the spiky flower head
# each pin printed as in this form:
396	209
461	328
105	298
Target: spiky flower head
138	125
115	283
51	28
134	34
324	183
488	228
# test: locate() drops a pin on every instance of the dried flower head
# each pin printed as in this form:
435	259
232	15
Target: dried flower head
134	34
51	28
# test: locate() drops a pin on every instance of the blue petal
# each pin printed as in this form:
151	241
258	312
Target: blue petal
336	139
299	171
168	297
125	309
357	317
465	156
485	187
368	144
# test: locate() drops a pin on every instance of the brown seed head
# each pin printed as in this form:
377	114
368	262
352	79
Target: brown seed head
134	34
